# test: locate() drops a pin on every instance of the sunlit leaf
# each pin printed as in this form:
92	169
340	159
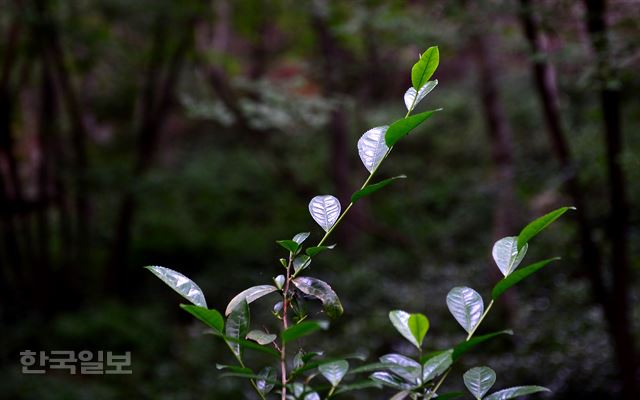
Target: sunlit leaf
372	147
334	371
418	325
436	366
211	318
249	295
301	262
479	380
374	187
425	67
261	337
301	329
533	228
516	392
325	210
323	292
391	380
402	127
237	326
413	97
466	306
404	367
506	255
267	380
465	346
514	278
180	283
400	320
301	237
312	251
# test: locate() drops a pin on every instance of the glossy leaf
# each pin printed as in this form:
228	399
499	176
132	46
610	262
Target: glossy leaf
514	392
391	380
533	228
479	380
290	245
279	281
321	291
237	326
261	337
313	251
404	367
514	278
334	371
372	147
466	306
301	262
180	283
418	325
246	344
249	295
374	187
325	210
506	255
425	67
400	320
267	380
301	237
211	318
413	97
465	346
436	366
402	127
301	329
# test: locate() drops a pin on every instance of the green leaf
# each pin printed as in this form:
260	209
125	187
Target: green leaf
464	347
400	320
365	384
261	337
249	295
323	292
513	279
301	237
516	392
180	283
290	245
237	326
531	230
450	396
402	127
312	251
506	254
418	325
391	380
404	367
268	379
425	67
466	306
301	262
437	365
211	318
479	380
246	344
304	328
334	371
369	189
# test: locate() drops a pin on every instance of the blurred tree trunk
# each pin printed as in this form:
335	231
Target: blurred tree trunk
156	99
619	208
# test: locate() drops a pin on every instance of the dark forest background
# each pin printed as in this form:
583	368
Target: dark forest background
192	134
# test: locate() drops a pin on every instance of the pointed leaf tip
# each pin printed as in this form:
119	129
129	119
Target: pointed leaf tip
180	283
479	380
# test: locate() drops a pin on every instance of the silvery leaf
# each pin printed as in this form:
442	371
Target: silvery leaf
506	255
466	306
479	380
325	210
181	284
250	295
261	337
404	367
372	147
334	371
436	365
400	320
516	391
410	98
267	380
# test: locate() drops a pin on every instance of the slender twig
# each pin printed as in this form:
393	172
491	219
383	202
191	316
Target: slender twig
285	326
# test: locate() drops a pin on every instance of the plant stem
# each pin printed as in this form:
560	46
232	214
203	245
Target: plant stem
285	325
441	381
253	382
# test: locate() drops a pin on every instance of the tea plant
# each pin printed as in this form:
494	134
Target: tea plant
292	375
